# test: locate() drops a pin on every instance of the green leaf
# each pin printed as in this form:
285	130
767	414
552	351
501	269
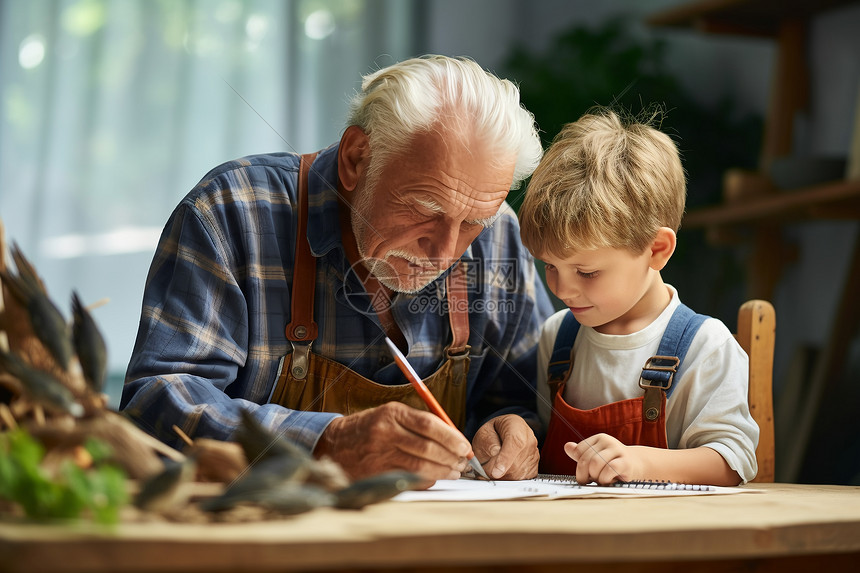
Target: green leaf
97	493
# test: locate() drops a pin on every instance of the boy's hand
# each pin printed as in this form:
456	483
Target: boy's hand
604	459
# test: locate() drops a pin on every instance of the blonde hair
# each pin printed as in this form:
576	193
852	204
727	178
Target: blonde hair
604	182
424	93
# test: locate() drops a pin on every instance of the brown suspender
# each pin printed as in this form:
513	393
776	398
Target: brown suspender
302	327
458	310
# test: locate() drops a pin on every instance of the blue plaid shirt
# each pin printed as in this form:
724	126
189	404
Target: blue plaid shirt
211	338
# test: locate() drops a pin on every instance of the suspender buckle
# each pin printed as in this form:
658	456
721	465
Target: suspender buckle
299	361
659	372
657	377
455	352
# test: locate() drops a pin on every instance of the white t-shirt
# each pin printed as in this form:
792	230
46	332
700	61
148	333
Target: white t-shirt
708	406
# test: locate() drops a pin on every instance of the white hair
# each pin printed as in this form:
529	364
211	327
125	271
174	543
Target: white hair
417	94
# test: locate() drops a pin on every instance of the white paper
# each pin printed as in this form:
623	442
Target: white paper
479	490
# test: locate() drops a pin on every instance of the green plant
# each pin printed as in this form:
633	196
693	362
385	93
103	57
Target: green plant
70	492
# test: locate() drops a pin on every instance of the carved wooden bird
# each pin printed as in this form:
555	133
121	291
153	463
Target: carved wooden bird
259	443
269	475
89	345
164	490
46	320
41	386
377	488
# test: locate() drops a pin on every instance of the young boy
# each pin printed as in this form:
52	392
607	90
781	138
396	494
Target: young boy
647	389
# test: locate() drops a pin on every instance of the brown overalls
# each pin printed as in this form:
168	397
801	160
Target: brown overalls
311	382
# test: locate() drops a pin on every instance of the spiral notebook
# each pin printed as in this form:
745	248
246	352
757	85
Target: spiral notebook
647	487
547	486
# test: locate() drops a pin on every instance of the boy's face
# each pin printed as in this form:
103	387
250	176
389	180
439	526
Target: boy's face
611	290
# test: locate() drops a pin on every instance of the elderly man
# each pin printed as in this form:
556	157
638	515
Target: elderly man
279	276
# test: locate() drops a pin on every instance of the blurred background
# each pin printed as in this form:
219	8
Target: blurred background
113	109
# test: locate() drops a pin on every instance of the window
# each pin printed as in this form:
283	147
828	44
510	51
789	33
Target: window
113	109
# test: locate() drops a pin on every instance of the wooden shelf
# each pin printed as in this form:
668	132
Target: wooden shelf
837	200
786	22
745	17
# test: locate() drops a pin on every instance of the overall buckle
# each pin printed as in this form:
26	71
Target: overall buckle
299	361
659	364
654	388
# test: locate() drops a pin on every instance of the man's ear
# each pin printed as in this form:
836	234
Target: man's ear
353	155
662	248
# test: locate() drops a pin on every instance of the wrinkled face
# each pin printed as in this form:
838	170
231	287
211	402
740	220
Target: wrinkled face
426	206
605	288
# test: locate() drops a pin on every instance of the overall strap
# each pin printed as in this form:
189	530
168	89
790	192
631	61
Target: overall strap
660	369
302	327
458	310
561	360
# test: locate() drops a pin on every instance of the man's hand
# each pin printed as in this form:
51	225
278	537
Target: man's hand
394	436
604	459
507	448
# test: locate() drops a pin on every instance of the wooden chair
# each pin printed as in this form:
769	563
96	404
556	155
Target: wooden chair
756	335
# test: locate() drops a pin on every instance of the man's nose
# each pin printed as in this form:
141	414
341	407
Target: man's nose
441	245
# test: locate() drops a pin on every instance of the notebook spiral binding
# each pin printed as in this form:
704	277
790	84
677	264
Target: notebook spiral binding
641	484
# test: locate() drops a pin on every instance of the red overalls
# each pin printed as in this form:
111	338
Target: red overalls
311	382
637	421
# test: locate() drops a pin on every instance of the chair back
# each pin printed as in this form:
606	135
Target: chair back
756	335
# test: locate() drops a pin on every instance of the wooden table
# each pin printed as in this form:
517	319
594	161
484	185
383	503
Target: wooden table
784	527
